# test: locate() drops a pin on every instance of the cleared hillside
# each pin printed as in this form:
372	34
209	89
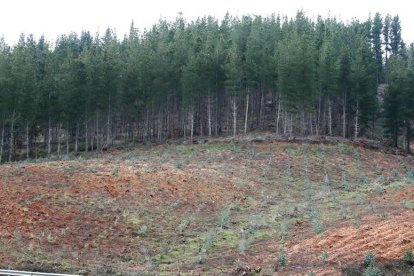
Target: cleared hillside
210	208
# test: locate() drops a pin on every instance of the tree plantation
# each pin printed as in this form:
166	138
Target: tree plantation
184	79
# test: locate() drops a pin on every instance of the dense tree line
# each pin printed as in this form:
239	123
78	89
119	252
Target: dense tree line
180	79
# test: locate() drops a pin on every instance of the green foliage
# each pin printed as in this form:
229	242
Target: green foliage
281	257
372	270
179	165
324	257
143	230
316	222
317	226
377	27
91	88
224	218
243	245
369	259
408	257
409	204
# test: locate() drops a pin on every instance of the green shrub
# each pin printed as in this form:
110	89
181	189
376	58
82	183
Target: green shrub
408	257
345	149
369	259
224	219
372	270
282	257
409	204
142	230
243	245
324	257
365	180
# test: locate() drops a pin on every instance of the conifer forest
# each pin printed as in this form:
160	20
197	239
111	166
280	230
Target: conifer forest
295	76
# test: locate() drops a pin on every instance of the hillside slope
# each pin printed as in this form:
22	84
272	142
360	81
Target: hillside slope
210	208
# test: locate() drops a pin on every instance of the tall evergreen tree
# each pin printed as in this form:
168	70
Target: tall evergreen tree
377	45
394	99
395	35
364	88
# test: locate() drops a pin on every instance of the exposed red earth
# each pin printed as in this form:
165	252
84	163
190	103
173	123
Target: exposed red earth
210	209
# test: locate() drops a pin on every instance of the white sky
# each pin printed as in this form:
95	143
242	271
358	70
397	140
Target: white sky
55	17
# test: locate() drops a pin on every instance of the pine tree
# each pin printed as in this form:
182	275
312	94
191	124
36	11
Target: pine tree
395	35
377	45
394	99
364	88
386	34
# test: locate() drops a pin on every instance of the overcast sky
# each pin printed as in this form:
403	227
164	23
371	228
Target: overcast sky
55	17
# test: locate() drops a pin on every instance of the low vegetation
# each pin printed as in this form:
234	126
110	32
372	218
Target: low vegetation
230	207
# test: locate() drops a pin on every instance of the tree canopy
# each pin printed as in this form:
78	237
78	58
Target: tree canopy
293	76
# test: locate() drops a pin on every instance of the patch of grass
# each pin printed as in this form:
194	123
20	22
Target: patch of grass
345	148
409	204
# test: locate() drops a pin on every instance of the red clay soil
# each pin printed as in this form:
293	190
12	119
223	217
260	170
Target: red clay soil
387	238
56	206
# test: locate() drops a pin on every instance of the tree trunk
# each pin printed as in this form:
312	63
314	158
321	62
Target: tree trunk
67	139
27	141
344	117
191	124
108	128
76	137
58	140
185	128
146	125
201	125
247	112
234	117
98	145
408	138
261	109
133	133
49	139
318	119
2	141
159	134
302	122
278	115
310	123
216	126
356	121
330	116
11	138
92	137
209	115
86	134
168	123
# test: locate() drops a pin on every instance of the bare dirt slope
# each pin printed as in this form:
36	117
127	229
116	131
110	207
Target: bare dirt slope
212	208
